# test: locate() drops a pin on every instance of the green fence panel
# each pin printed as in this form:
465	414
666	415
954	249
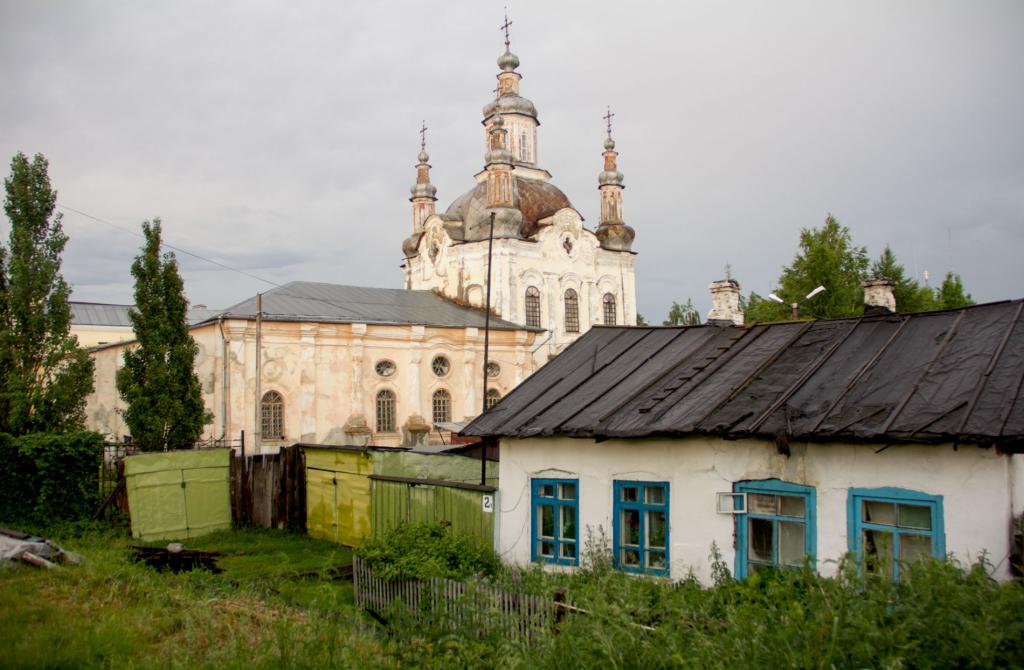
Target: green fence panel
178	494
403	502
338	494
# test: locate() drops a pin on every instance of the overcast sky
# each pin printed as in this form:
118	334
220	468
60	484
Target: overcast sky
280	138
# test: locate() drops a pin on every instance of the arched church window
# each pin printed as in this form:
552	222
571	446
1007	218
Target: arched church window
493	396
523	155
609	309
533	307
442	406
572	311
272	416
385	411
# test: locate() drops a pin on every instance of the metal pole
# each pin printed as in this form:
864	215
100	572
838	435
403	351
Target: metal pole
257	441
487	346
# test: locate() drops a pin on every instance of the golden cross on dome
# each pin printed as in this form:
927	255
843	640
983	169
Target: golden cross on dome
423	136
505	27
608	117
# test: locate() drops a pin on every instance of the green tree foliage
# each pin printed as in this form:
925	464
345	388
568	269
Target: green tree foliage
682	315
44	375
165	404
640	320
951	294
829	258
910	296
49	477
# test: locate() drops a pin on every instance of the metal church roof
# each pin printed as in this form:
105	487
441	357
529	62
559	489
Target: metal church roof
944	376
106	314
312	301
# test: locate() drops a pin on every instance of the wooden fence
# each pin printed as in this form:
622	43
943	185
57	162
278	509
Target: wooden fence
478	606
269	490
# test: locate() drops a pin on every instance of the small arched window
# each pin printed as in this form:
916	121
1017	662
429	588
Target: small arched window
533	307
523	153
572	311
385	411
493	396
272	416
442	406
609	309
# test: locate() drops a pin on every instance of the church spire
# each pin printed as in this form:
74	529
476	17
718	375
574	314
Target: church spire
613	232
423	192
520	116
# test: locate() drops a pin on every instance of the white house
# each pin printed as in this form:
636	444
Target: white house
891	436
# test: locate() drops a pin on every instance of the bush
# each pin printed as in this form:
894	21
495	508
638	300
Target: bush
47	477
421	551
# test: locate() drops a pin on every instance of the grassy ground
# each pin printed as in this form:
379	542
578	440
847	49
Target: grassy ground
275	605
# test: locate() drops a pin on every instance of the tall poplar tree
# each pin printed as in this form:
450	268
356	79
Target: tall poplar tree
44	375
158	383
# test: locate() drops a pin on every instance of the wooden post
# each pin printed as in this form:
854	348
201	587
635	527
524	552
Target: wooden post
559	601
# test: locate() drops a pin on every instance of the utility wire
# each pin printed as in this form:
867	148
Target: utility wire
345	307
169	246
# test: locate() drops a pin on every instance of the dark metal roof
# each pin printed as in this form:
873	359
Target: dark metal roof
945	376
336	303
105	314
536	200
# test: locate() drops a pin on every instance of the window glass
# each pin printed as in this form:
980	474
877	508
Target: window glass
879	512
441	403
791	543
440	365
915	516
385	368
572	312
272	416
914	547
608	302
555	521
385	411
641	534
493	396
892	526
533	307
654	495
777	528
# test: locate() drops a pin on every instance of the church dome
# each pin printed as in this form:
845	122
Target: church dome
535	199
510	103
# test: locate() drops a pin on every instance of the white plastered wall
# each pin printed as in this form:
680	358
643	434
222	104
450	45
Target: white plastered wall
976	485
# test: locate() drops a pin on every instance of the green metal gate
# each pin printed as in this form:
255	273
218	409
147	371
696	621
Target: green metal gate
178	494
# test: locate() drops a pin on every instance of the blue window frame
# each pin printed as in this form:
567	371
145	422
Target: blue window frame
641	537
778	528
890	526
554	528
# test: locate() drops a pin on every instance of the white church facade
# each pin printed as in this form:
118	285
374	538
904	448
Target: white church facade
547	270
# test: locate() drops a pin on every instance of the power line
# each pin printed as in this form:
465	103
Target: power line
170	246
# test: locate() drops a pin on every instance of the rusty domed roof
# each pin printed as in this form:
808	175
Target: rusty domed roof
534	198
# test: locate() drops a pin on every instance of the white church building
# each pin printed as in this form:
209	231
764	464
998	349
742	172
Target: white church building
548	271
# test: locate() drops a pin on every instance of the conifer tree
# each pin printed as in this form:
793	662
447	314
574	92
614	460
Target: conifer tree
951	294
910	296
682	315
165	404
44	375
828	258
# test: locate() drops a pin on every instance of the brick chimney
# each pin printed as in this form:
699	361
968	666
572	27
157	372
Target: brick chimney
725	303
878	295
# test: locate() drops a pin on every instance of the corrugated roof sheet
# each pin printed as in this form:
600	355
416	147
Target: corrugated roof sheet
954	375
311	301
104	314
